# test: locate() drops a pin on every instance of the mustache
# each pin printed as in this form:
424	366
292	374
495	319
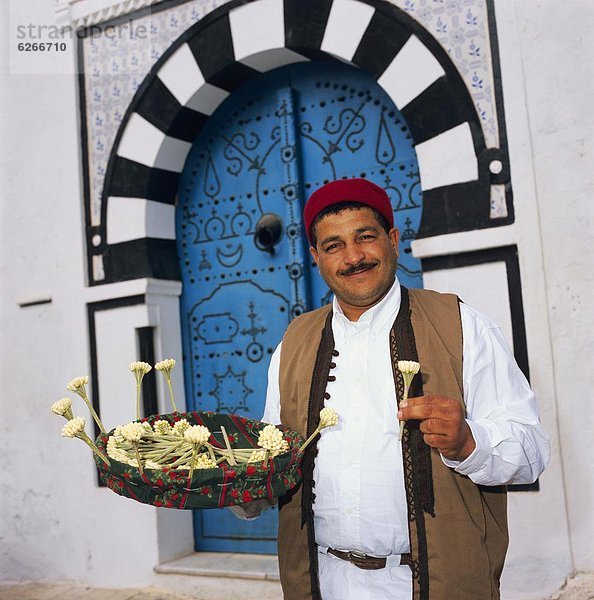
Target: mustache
364	266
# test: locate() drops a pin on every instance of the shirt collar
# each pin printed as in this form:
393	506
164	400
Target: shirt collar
378	316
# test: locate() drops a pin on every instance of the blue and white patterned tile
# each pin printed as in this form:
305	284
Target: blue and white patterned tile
498	202
462	28
115	66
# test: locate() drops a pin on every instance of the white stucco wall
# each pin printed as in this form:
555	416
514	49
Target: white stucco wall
55	524
557	46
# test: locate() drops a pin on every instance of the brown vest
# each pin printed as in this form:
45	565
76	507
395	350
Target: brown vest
458	530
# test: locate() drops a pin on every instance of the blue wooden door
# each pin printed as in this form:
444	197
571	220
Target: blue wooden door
261	154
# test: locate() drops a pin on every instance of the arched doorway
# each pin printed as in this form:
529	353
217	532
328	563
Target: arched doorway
263	151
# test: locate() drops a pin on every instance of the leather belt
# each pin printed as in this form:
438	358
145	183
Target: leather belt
365	561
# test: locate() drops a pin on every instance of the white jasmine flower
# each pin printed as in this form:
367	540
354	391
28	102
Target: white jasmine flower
122	457
162	427
328	417
139	370
271	439
151	464
197	434
139	367
112	447
74	427
113	451
203	461
63	408
77	384
132	432
180	427
257	456
147	427
165	365
408	366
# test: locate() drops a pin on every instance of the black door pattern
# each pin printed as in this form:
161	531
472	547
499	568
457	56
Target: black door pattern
245	263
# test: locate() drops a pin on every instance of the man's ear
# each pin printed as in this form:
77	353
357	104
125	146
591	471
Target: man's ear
314	253
394	236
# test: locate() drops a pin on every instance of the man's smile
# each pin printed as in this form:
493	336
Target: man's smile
357	269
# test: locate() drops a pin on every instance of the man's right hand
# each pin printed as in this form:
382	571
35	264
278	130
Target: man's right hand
251	510
443	424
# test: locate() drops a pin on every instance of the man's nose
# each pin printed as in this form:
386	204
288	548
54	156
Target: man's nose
353	254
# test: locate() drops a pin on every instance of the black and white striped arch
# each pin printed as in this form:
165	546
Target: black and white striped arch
242	39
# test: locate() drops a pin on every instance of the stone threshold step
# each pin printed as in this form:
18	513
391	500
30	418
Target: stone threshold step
222	564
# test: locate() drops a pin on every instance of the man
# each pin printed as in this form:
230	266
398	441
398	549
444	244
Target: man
377	517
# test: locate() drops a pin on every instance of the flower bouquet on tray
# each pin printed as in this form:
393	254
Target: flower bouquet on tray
191	460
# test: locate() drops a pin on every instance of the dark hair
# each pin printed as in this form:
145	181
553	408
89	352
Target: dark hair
334	209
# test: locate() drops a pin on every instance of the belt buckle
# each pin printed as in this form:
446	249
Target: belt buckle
355	555
358	559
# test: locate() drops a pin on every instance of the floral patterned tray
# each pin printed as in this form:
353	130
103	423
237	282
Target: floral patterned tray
218	487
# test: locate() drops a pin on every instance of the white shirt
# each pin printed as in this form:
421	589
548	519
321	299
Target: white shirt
359	484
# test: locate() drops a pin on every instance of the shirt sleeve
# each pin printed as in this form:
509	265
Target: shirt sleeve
501	410
272	408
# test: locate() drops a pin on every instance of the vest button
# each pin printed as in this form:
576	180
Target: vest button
326	395
335	353
331	377
332	365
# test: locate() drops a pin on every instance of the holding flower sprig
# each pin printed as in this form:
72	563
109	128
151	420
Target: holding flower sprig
408	368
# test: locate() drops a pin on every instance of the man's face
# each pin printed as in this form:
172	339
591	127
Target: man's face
356	257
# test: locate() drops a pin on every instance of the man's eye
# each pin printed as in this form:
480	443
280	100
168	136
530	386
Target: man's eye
331	247
367	236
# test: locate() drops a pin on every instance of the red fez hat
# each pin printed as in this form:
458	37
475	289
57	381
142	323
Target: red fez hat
347	190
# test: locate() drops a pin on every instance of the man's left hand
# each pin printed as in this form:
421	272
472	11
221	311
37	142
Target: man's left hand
443	424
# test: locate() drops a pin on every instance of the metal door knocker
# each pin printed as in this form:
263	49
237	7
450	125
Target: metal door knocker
269	230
